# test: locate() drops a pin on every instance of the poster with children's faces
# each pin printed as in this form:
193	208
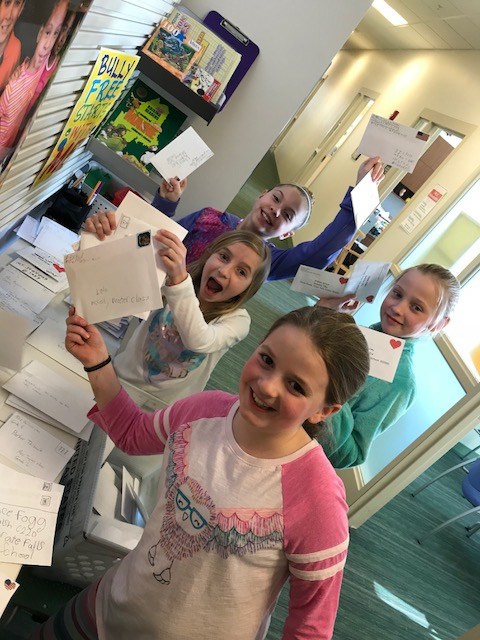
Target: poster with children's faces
34	34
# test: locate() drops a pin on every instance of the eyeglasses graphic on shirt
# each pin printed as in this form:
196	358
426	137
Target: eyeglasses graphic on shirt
183	503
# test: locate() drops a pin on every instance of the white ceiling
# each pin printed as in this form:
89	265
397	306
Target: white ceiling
432	24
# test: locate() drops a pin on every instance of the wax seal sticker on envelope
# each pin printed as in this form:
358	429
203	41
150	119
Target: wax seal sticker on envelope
144	238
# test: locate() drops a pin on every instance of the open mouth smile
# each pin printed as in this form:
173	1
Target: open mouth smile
213	286
260	404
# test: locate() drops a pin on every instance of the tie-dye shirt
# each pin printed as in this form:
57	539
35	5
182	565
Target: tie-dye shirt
228	531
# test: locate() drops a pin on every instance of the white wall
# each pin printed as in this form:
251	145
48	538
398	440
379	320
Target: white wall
410	81
297	42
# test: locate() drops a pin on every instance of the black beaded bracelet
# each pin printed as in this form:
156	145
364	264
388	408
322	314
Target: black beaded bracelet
98	366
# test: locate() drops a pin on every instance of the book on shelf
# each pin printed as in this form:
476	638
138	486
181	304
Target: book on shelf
214	62
141	124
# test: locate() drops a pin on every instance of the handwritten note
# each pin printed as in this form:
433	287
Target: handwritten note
32	449
133	216
14	329
9	301
182	156
56	395
364	281
365	199
33	294
28	514
396	144
385	352
117	279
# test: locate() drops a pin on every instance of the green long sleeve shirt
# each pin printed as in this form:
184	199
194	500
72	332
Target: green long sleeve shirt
372	410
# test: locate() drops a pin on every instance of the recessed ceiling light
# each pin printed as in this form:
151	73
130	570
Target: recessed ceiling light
387	12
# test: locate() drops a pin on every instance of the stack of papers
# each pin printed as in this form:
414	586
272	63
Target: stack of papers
60	401
29	509
14	330
48	235
116	327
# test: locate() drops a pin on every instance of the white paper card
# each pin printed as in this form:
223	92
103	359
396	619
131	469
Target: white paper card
133	216
364	281
54	238
28	229
121	278
49	338
365	199
29	509
39	276
45	262
33	294
128	505
13	331
8	586
32	449
366	278
317	282
55	395
396	144
385	352
182	156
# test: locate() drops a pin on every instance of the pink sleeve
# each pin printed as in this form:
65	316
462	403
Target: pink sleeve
316	543
138	432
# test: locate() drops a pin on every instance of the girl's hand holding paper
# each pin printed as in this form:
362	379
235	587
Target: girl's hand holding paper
173	255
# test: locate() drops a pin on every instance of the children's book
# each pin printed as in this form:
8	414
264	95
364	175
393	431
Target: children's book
212	69
171	49
141	124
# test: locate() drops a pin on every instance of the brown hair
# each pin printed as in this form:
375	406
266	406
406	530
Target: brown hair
342	346
448	287
249	239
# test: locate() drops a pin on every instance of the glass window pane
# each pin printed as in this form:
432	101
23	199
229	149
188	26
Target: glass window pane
463	328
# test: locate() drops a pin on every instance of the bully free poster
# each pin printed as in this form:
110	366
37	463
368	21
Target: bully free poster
33	37
108	78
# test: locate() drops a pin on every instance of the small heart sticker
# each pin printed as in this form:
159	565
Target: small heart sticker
343	280
395	343
58	267
369	298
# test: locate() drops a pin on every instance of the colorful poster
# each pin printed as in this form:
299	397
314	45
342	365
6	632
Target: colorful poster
107	80
142	124
33	37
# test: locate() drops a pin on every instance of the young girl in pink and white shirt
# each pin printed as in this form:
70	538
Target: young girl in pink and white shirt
247	498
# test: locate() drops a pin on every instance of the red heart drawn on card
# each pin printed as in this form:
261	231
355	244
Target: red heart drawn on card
395	343
369	298
343	280
58	267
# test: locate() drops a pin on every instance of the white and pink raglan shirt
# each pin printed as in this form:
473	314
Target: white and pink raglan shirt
227	532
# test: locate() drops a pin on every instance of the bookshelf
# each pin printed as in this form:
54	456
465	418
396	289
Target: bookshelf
174	87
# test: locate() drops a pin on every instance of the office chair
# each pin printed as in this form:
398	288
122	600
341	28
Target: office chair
470	490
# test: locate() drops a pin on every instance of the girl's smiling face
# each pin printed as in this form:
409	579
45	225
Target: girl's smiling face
227	273
410	307
283	384
277	213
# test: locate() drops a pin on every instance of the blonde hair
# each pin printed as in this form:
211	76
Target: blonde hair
249	239
447	284
342	347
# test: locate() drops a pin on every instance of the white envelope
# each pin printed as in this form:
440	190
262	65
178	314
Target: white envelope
133	216
385	352
364	281
44	261
54	238
396	144
365	199
14	330
182	156
120	278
